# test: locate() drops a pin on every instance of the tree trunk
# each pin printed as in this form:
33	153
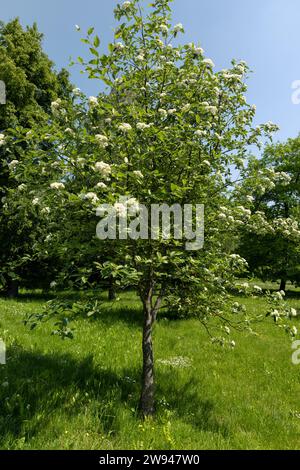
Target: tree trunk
111	290
12	289
282	284
147	394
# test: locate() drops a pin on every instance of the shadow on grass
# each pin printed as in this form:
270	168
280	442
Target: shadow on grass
39	385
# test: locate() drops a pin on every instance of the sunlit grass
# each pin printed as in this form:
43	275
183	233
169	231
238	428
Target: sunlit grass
83	393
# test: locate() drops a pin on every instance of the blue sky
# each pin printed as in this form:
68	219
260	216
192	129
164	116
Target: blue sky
265	33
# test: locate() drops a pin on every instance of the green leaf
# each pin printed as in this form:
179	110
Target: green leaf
96	41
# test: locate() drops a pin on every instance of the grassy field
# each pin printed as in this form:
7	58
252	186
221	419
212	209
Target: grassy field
82	393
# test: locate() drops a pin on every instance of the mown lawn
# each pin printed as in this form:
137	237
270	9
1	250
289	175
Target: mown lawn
83	393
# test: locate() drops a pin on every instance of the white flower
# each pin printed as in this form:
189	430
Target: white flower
55	105
186	107
212	109
257	288
101	185
93	101
172	111
250	198
13	164
126	5
108	120
124	127
138	174
102	140
162	112
222	216
133	205
227	329
208	62
76	91
142	125
199	133
294	331
91	197
53	284
57	185
121	209
21	187
178	28
2	139
198	51
46	210
119	46
140	57
232	344
103	168
35	201
164	28
293	312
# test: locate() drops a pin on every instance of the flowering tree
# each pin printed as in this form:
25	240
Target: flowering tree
272	247
168	130
31	85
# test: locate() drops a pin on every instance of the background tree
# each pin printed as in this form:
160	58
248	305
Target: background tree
274	253
31	85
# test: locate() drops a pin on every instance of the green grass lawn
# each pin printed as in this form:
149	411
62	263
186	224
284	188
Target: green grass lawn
83	393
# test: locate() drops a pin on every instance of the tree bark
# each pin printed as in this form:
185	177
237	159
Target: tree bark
283	285
12	289
147	394
111	290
